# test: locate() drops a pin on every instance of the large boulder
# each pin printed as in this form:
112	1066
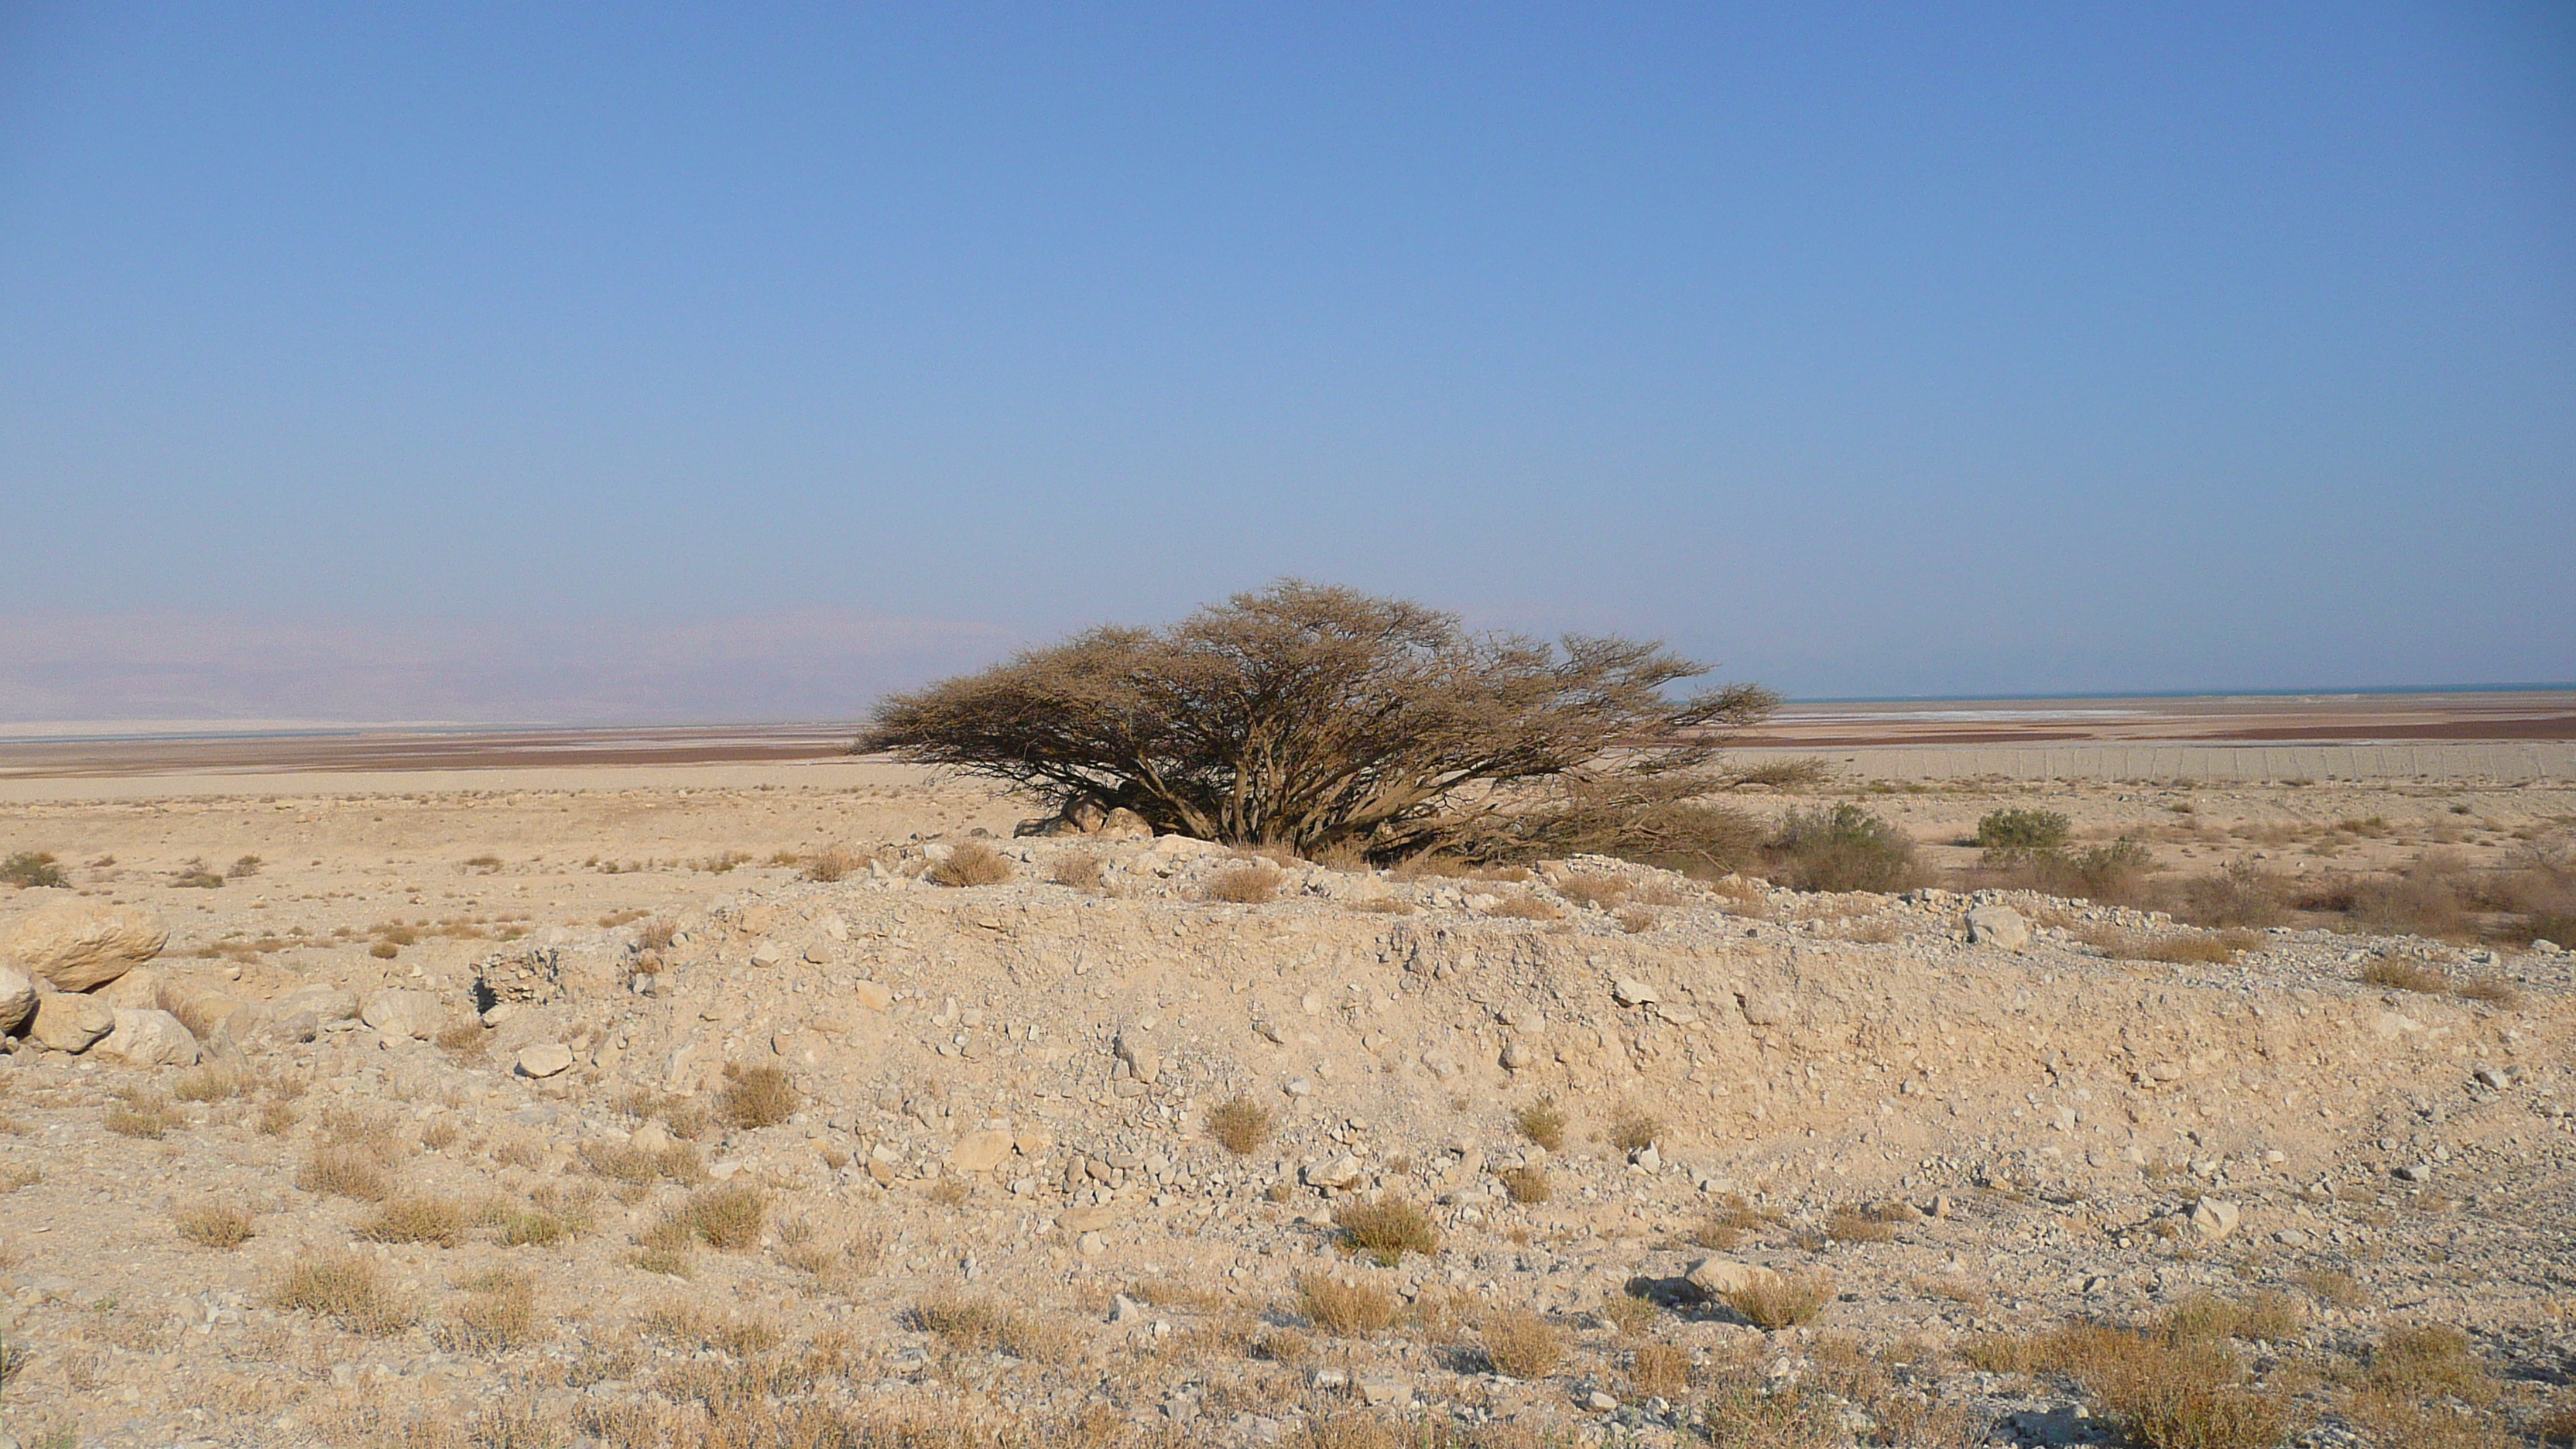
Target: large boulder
2003	926
148	1039
416	1014
139	989
17	1000
81	945
67	1021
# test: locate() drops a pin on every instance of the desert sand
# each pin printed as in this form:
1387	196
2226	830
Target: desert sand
460	1161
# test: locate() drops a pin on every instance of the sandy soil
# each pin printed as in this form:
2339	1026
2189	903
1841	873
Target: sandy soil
997	1201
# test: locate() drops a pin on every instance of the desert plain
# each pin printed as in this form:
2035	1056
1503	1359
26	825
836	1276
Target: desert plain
793	1099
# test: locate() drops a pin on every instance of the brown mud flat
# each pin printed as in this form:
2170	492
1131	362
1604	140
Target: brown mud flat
2248	719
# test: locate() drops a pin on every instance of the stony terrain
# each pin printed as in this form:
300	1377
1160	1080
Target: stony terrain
565	1117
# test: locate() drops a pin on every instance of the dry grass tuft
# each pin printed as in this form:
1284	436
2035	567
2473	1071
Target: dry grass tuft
1083	870
15	1176
216	1225
980	1325
143	1114
420	1219
1857	1225
2336	1290
346	1171
1525	908
1594	892
2198	948
1629	1315
623	1162
275	1118
833	863
1636	920
757	1096
1240	1124
1528	1184
2270	1317
2406	974
212	1082
1344	1308
971	863
1244	885
1634	1130
1542	1122
348	1288
464	1037
726	1218
1387	1229
1522	1344
499	1314
1776	1301
1660	1370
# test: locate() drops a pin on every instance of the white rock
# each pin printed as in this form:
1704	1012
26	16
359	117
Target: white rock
1629	991
768	954
1339	1173
980	1151
1717	1277
2215	1218
80	945
416	1014
17	1000
67	1021
1998	926
148	1039
545	1059
1517	1057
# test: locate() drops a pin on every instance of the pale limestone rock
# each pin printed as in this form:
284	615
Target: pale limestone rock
417	1014
148	1039
81	945
1998	926
17	1000
980	1151
67	1021
545	1059
1717	1277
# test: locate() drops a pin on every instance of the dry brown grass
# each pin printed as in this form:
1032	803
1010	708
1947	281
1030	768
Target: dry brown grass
464	1037
756	1097
1240	1125
2337	1290
1659	1370
1083	870
2406	974
833	863
143	1114
1522	1344
1774	1301
1636	920
499	1314
971	863
2266	1316
416	1219
1629	1315
1857	1225
1382	906
2166	1391
624	1162
982	1325
275	1118
1542	1122
1634	1129
348	1288
1528	1184
1525	908
14	1176
727	1218
1345	1308
341	1170
687	1327
1244	885
215	1225
1387	1229
213	1082
1594	892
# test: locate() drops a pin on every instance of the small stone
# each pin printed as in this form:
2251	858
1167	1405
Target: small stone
872	995
415	1014
1091	1245
1629	991
1340	1173
2415	1172
2291	1238
2498	1078
2214	1217
1517	1057
980	1151
1601	1402
768	955
545	1059
1647	1157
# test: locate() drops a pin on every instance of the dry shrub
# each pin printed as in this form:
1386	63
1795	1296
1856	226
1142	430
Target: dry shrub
464	1037
1244	885
2266	1316
2428	1363
1528	1184
1629	1315
686	1327
416	1220
1856	1225
1240	1124
656	935
2241	895
2167	1393
971	863
1525	908
346	1171
215	1225
143	1115
1522	1344
981	1325
2406	974
726	1218
1636	920
2424	899
275	1118
1542	1122
757	1096
833	863
951	1191
1387	1229
1773	1301
627	1163
14	1176
1659	1370
1344	1308
2489	991
212	1082
499	1314
522	1225
1083	870
348	1288
1635	1129
1594	892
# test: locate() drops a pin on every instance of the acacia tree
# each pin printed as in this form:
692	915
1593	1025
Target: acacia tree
1319	718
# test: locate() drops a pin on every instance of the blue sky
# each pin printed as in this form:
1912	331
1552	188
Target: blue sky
734	362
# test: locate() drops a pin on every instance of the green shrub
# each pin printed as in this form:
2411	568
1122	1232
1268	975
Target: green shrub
1844	848
2010	835
31	868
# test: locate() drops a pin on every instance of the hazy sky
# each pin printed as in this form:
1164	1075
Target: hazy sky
738	361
